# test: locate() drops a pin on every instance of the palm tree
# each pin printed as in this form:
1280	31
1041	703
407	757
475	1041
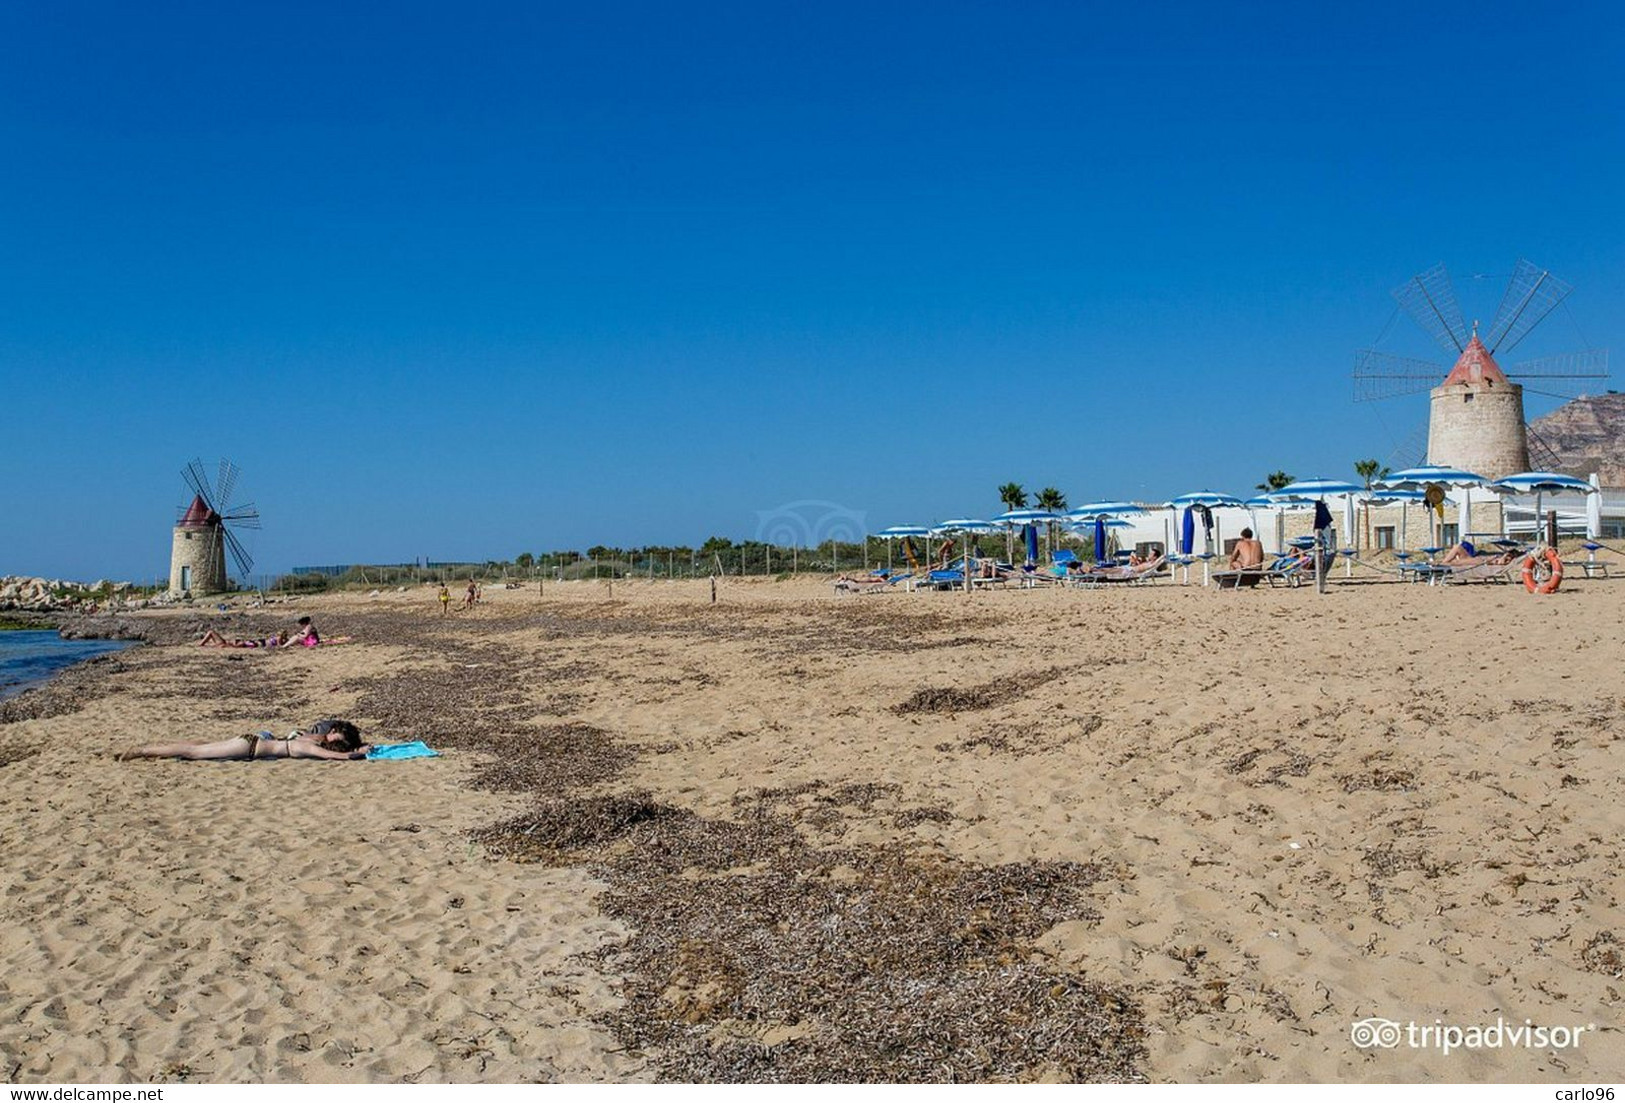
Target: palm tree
1371	471
1053	500
1276	480
1013	496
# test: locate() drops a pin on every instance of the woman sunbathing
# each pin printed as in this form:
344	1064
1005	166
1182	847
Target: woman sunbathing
211	638
338	740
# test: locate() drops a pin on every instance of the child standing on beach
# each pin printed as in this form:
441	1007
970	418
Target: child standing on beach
445	599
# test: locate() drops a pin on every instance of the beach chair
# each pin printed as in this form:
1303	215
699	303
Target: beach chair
1111	576
875	584
1282	570
1591	565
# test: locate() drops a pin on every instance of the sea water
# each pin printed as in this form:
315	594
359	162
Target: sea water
28	658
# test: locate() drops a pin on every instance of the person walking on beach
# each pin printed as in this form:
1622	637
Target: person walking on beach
468	598
445	599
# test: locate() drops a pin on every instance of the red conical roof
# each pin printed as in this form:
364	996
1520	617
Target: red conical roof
1475	366
199	515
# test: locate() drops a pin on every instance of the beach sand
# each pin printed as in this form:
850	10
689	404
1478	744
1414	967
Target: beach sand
1153	832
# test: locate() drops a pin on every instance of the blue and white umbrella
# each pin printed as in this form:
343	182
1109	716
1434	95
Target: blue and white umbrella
1440	475
967	527
1092	510
1210	498
1540	484
1311	489
901	532
1384	494
1027	517
1418	478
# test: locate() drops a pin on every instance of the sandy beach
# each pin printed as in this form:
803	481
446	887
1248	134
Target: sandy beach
1158	833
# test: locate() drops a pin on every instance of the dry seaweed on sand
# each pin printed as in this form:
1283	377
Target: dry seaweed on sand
813	965
939	699
756	956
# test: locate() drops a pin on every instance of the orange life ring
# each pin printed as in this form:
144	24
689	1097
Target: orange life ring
1532	563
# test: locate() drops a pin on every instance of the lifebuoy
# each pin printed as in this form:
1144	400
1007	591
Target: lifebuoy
1531	566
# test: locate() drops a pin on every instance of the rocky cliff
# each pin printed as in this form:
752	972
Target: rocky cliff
1587	435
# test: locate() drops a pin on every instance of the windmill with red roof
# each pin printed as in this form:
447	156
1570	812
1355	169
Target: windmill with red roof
203	534
1475	417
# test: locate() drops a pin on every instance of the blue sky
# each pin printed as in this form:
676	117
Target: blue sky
465	281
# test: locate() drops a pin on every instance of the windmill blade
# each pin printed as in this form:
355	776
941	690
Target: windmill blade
225	483
197	481
1531	294
245	516
1562	376
1382	375
245	562
1541	454
1431	302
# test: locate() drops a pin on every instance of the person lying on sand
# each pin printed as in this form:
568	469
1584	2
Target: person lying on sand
211	638
337	740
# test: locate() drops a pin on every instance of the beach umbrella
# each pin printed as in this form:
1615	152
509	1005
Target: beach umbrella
1383	495
1105	509
1540	484
1211	499
1100	539
967	527
901	532
1438	474
1027	519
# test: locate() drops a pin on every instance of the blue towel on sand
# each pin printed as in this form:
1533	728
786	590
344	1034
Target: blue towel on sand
416	749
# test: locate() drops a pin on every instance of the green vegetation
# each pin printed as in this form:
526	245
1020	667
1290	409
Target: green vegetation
1276	480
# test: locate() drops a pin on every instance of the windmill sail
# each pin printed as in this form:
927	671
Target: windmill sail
1561	376
1431	302
1380	375
1531	294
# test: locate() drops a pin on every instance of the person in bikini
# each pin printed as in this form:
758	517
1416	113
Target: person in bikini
335	740
211	638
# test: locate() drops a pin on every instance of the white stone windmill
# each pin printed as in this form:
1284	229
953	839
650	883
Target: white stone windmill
203	535
1475	417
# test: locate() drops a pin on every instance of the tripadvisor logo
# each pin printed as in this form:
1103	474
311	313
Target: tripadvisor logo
1378	1033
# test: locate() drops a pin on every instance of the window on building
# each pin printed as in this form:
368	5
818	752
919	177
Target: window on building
1613	530
1385	537
1449	535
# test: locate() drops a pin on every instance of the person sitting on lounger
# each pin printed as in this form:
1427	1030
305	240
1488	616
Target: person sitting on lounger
1248	554
336	740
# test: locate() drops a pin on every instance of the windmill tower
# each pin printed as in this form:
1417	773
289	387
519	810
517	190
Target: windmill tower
1475	415
202	537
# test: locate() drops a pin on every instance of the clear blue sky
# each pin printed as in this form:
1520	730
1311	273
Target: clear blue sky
469	280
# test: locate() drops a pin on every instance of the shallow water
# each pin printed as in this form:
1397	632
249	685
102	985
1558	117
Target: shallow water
28	658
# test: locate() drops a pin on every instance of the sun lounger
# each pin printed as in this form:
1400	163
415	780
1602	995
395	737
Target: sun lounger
1106	576
1593	568
873	585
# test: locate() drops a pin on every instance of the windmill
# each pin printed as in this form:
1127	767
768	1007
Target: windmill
1475	418
203	533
